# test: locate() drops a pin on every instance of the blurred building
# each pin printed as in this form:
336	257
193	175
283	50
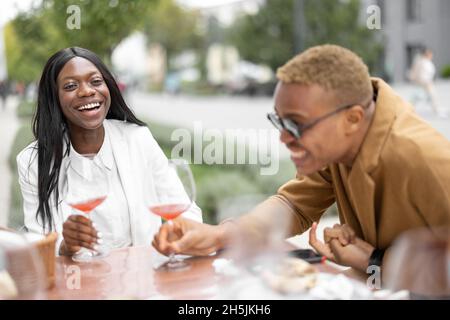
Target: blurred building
129	59
408	26
221	60
156	63
224	66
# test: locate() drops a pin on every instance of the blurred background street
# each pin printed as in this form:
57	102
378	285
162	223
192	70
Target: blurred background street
250	112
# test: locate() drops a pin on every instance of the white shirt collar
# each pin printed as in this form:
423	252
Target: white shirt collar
104	156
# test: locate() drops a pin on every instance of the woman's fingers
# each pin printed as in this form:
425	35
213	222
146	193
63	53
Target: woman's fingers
74	238
82	229
76	218
78	231
74	245
72	249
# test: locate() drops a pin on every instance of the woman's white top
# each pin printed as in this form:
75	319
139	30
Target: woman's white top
112	217
137	168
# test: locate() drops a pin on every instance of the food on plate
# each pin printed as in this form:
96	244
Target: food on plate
290	276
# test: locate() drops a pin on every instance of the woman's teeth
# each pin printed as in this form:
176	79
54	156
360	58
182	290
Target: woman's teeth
89	106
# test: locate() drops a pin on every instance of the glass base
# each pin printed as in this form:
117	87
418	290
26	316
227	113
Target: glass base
85	255
175	264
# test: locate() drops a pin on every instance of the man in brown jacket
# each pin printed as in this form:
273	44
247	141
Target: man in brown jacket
354	142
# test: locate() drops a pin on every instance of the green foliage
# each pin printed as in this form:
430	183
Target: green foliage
174	27
328	21
26	109
220	185
23	137
162	134
445	73
15	218
199	88
269	184
32	37
26	50
338	22
104	23
266	37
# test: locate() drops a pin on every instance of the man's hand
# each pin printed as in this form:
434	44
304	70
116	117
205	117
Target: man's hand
342	246
189	237
343	233
78	232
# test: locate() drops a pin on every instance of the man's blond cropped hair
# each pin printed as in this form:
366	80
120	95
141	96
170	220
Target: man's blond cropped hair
332	68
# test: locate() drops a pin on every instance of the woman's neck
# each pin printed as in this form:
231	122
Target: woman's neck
87	141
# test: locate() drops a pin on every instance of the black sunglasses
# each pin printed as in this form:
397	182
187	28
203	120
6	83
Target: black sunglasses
295	129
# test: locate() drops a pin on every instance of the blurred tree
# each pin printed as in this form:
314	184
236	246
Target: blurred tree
174	27
33	36
267	36
20	66
327	21
27	45
104	23
339	22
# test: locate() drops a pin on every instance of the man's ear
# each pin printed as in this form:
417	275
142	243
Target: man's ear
354	117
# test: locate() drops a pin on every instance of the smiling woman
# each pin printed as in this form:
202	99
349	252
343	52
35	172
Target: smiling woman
81	112
85	101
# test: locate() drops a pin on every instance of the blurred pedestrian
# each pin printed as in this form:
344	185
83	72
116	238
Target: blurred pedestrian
3	93
422	73
20	89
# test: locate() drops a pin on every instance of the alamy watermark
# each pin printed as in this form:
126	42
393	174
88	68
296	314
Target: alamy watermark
374	280
72	274
73	21
231	146
373	21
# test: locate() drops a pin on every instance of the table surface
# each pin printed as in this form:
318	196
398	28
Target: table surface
129	273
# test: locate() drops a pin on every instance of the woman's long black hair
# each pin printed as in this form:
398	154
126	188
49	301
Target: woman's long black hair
50	126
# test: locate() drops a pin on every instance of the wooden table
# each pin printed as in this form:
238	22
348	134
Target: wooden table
129	273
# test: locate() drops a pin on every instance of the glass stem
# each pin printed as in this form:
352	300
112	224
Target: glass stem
172	255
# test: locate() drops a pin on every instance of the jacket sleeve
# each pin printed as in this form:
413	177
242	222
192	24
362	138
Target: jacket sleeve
166	181
28	186
308	197
291	211
28	181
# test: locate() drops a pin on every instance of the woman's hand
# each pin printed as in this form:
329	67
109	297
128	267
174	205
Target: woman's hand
78	232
